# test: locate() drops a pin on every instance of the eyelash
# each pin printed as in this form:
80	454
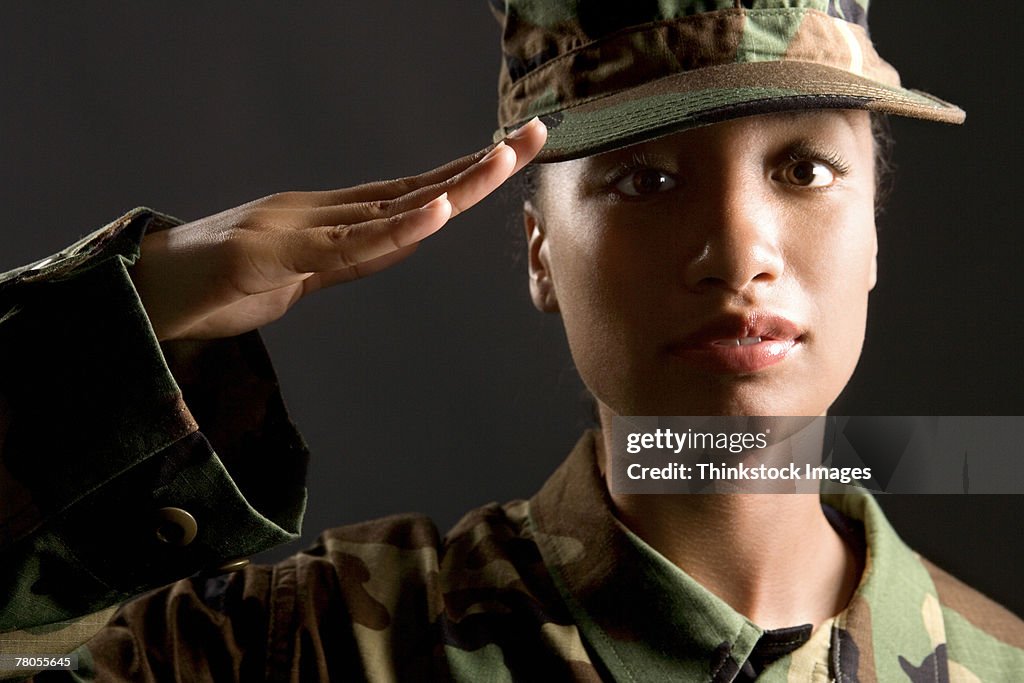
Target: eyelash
637	162
830	157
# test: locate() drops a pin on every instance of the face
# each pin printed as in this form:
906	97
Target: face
720	271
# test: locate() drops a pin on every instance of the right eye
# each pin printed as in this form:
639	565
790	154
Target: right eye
645	181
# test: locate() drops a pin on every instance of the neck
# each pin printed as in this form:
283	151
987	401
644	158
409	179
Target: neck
772	557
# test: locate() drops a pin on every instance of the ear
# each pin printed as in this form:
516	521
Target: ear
542	287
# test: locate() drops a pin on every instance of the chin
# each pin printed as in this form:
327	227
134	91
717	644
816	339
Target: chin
741	398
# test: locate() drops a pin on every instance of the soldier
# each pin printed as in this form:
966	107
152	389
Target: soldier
701	215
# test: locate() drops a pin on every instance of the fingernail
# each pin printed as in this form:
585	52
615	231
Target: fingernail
521	130
437	201
493	152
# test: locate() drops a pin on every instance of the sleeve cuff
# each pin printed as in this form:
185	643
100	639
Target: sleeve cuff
102	431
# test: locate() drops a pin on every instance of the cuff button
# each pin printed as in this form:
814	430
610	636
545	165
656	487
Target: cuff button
175	526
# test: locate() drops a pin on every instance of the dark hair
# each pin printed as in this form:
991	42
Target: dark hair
881	132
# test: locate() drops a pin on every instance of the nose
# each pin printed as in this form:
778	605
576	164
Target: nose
736	242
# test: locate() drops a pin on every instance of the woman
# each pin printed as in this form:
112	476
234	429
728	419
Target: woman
756	229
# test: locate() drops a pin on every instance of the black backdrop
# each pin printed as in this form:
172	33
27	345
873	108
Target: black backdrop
436	386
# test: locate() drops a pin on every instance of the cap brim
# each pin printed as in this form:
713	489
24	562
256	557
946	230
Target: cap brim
710	95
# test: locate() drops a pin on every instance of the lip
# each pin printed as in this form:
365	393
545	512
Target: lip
778	335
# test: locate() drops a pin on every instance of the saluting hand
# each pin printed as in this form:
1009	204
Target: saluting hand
245	267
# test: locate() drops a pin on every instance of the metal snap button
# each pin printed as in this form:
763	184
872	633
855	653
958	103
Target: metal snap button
175	526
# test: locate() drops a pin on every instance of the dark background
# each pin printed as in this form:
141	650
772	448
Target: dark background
435	386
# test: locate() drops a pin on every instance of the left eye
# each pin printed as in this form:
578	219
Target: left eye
645	181
807	173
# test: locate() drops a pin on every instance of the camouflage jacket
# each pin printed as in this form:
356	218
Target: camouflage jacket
553	588
549	589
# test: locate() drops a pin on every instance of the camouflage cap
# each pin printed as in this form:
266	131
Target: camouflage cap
604	74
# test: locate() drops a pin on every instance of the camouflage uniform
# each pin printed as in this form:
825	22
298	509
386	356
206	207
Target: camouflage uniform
553	588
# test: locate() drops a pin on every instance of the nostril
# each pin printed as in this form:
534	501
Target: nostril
730	263
710	283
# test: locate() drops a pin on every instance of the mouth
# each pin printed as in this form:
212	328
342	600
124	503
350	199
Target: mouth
740	343
745	341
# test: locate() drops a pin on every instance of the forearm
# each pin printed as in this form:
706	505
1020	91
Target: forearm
101	428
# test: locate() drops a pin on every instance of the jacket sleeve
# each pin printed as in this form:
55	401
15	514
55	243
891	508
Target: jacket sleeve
125	464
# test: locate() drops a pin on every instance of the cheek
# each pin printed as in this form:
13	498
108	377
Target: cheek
841	264
606	259
597	283
616	286
581	267
837	272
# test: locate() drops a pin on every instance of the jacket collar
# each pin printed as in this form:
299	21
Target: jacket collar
648	620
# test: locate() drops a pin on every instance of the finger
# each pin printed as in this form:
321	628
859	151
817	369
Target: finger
464	190
527	141
383	190
485	176
340	247
379	196
476	182
467	187
471	185
326	279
